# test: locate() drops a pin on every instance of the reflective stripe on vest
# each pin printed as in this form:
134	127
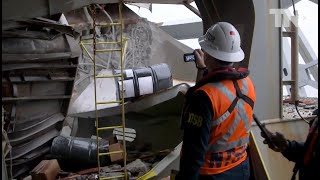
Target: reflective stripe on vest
222	144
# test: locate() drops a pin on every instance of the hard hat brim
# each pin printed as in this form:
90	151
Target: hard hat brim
220	55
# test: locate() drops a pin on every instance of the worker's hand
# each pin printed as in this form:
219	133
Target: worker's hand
279	142
199	55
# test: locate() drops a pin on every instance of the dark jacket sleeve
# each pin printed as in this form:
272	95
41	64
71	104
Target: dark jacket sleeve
295	151
196	122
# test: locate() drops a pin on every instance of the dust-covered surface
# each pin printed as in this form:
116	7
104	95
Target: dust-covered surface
306	108
147	45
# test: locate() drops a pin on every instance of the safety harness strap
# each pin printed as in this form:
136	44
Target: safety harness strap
241	95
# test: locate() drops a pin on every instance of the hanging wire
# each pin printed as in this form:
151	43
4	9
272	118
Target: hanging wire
296	105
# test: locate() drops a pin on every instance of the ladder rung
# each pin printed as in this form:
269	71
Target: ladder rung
109	24
113	76
107	50
110	127
110	102
111	42
288	82
112	177
112	152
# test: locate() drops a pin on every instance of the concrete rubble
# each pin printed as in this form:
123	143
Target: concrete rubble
306	107
138	167
135	169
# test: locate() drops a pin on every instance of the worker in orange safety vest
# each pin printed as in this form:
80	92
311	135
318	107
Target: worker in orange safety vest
217	114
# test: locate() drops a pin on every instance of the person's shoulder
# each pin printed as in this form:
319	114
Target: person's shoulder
201	97
200	94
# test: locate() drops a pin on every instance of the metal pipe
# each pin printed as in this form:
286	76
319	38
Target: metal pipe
294	61
80	150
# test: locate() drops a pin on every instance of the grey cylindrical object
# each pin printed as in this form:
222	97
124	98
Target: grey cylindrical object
155	78
163	77
141	73
82	150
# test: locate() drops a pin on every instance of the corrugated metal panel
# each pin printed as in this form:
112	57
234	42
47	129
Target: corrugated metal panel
38	71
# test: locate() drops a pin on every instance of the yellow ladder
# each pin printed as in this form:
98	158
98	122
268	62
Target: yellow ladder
121	101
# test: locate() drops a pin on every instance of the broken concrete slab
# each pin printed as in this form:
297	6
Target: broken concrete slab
137	166
66	131
111	168
106	91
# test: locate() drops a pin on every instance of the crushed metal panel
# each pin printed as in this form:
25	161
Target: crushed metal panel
34	46
38	152
39	89
36	110
37	83
23	149
39	129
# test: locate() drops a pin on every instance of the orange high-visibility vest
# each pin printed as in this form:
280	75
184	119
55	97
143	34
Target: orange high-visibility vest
232	103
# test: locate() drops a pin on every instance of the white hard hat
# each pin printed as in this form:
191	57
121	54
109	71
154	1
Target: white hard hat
222	41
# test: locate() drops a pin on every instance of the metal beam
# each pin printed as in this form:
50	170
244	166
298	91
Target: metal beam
306	52
191	8
265	61
184	31
286	77
41	8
